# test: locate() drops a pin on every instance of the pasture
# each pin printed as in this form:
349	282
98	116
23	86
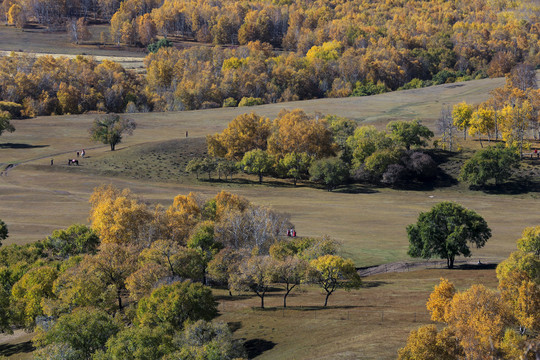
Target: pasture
38	41
371	323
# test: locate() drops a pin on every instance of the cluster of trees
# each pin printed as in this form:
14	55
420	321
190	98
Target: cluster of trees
336	50
456	34
333	49
511	113
482	323
46	85
53	13
134	283
328	150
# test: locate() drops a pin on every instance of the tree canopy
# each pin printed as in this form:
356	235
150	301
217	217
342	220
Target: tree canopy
494	162
409	133
445	231
110	128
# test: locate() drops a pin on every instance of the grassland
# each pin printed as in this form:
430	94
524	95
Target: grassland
36	198
38	41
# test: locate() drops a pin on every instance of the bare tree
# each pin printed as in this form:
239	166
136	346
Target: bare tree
446	127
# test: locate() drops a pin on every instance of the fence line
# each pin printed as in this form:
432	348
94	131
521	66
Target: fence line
321	313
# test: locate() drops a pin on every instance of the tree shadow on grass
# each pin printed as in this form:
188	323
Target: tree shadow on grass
355	189
12	349
256	347
488	266
20	146
234	325
516	187
372	283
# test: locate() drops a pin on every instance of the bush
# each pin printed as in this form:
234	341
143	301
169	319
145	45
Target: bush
491	163
12	108
155	46
250	101
230	102
366	88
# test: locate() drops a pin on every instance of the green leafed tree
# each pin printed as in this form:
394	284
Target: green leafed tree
330	172
257	162
495	162
110	128
85	331
207	340
171	305
295	165
5	125
530	240
409	133
138	343
445	231
77	239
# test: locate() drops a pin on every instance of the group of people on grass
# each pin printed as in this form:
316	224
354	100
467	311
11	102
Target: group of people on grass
291	232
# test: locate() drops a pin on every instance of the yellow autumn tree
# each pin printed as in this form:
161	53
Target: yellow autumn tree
16	16
479	318
440	299
182	216
427	343
483	122
117	215
461	116
515	120
295	131
244	133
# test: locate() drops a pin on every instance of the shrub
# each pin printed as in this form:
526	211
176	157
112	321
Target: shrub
230	102
250	101
12	108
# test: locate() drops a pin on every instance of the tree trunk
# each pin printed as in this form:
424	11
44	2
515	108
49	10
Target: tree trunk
260	178
294	182
112	147
119	299
326	299
262	300
450	262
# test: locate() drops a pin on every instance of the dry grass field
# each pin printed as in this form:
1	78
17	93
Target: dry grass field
371	323
38	42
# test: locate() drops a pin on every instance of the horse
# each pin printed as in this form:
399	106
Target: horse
73	161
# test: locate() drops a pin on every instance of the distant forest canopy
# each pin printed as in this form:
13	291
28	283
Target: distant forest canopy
288	50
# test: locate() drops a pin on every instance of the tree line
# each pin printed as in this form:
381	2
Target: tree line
135	284
332	50
329	150
481	323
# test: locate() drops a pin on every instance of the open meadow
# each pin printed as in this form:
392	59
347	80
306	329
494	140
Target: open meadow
371	323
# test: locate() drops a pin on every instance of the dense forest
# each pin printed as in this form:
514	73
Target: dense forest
268	52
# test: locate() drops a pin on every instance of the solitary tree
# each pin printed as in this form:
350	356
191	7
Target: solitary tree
332	272
490	163
445	230
5	125
109	129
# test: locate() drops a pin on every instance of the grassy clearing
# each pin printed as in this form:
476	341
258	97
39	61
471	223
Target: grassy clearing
36	198
370	323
